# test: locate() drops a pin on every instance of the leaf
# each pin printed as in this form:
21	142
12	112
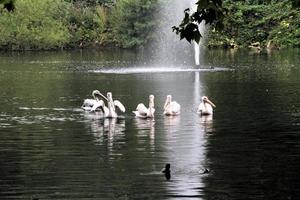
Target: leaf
197	36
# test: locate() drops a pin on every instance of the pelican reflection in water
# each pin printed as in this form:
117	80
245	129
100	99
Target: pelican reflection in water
146	128
101	128
206	122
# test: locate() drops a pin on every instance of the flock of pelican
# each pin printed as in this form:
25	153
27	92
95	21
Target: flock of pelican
171	108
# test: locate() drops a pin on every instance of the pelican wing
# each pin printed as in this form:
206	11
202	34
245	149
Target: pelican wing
141	111
86	108
119	105
88	103
200	108
97	104
175	107
205	109
172	109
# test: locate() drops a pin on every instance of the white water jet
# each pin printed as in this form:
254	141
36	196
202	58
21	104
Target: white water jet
201	28
169	48
197	53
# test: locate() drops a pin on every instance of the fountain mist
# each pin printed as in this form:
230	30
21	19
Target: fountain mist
169	49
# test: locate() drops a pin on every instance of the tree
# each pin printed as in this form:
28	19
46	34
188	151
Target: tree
296	3
211	12
133	21
8	4
91	3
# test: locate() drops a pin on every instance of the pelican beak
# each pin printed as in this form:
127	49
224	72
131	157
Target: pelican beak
211	103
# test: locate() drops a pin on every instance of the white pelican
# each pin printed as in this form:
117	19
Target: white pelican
206	106
110	110
143	112
171	107
89	103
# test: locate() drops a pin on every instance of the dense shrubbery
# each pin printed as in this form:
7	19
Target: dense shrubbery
34	25
249	22
49	24
54	24
132	22
85	25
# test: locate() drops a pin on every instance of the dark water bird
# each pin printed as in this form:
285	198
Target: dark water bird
167	171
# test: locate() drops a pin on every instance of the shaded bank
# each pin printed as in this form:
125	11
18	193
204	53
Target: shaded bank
258	24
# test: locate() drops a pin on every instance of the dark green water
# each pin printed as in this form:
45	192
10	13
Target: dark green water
51	149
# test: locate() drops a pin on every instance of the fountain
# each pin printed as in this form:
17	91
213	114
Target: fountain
201	29
170	49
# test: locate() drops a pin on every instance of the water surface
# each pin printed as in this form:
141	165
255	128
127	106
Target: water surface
51	149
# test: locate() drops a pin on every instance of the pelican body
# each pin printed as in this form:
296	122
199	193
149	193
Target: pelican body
143	112
112	104
88	104
206	106
110	110
171	108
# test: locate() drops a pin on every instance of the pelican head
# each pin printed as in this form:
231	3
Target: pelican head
151	101
169	98
109	96
206	100
96	92
168	101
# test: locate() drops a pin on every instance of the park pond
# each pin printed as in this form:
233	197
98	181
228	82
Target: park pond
51	149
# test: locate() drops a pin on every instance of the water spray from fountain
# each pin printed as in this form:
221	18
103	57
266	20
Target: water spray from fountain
170	49
201	29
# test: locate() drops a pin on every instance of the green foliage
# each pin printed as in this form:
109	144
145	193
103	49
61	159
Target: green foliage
248	23
209	11
233	14
49	24
87	3
132	22
9	5
34	25
85	25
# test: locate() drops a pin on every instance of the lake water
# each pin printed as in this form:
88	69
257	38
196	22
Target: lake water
51	149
